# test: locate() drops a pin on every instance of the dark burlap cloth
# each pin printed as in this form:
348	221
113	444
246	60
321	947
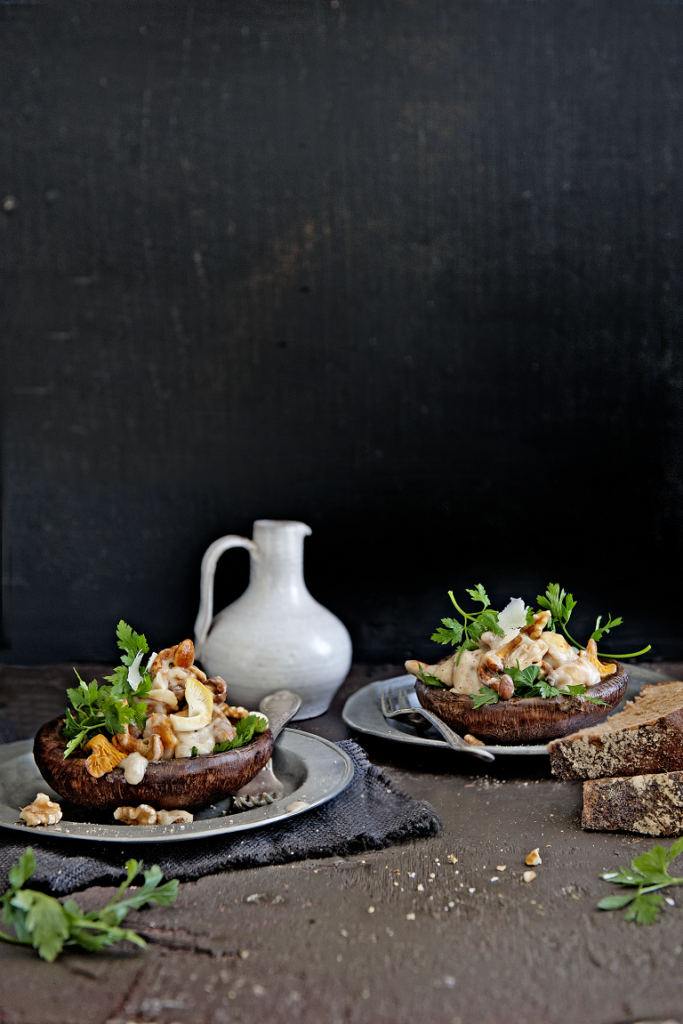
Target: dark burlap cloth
370	814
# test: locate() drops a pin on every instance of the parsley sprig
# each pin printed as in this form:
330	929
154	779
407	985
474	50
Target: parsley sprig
529	684
560	604
429	679
245	728
472	627
466	634
486	695
111	708
46	924
648	874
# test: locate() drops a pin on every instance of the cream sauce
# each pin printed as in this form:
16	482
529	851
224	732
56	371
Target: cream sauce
581	670
134	768
217	731
529	652
559	652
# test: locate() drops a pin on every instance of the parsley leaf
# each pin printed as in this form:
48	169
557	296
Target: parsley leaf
644	908
479	594
245	728
648	874
451	635
109	709
466	634
429	679
560	604
130	642
599	630
529	684
579	690
524	677
43	922
486	695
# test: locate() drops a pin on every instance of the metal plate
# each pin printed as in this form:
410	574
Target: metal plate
363	713
311	769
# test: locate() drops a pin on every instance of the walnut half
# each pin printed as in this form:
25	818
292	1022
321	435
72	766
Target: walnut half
42	811
146	815
142	815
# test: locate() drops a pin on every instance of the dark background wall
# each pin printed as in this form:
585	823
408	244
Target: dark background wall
407	270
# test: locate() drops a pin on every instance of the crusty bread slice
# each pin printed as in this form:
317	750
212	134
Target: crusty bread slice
646	737
649	804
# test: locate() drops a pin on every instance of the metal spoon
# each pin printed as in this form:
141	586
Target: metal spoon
265	788
279	708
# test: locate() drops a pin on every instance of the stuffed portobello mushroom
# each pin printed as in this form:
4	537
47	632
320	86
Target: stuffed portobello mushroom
517	676
160	734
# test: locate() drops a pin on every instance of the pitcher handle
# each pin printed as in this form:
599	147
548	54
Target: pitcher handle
209	562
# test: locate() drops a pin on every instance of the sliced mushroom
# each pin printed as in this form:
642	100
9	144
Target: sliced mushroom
534	630
160	725
151	748
199	708
164	697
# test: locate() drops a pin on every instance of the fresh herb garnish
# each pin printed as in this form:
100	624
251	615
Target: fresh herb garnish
429	679
245	728
648	874
134	646
560	604
110	708
529	684
486	695
194	752
46	924
579	690
473	626
466	634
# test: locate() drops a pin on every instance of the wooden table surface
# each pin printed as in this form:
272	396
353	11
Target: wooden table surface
338	941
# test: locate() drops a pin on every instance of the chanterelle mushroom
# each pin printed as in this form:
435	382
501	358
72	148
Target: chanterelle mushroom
104	757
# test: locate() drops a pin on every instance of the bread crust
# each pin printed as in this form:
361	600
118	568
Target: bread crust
651	804
644	738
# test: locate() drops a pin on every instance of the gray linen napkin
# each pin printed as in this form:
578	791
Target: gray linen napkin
369	815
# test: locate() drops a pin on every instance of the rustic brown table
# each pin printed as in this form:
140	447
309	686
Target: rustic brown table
390	937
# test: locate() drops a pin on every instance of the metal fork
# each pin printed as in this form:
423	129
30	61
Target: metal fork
395	704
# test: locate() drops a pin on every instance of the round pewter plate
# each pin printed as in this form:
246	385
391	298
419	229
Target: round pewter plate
312	770
363	713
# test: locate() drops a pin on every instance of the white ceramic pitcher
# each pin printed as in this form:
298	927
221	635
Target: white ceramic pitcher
275	636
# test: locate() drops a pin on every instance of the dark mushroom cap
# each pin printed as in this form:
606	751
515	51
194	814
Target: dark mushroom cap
187	782
523	719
